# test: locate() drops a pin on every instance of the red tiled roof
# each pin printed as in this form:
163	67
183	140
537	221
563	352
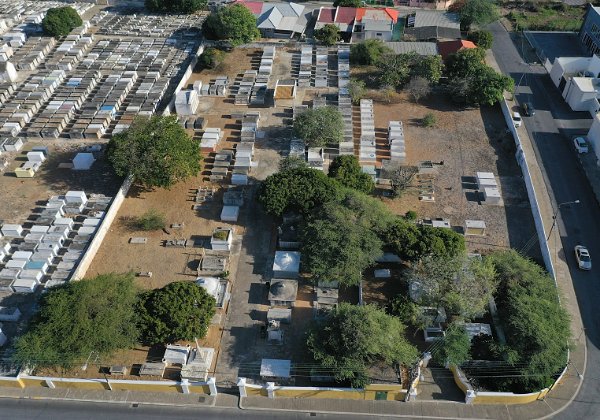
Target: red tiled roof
445	48
345	15
254	6
390	13
326	15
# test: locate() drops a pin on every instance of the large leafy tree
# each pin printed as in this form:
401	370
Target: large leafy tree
341	239
483	39
175	6
478	12
328	35
91	315
454	348
298	189
59	21
357	90
319	126
179	311
234	23
156	151
347	3
347	171
460	284
352	338
397	70
368	52
465	62
537	327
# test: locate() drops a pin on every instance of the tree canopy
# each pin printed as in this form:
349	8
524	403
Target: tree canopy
60	21
328	35
348	3
368	52
179	311
347	171
396	70
211	58
483	39
357	90
175	6
478	12
156	151
454	348
299	189
537	326
351	338
319	126
78	318
234	23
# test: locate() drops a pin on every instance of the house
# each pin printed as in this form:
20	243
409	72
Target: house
426	25
283	292
445	48
278	20
578	80
589	33
359	24
421	48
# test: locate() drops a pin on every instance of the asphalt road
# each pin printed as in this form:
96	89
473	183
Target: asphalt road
551	129
11	409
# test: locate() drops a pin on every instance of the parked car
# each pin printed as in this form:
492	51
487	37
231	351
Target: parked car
517	119
581	144
528	109
584	261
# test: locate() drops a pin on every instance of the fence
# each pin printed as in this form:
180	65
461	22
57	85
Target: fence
89	255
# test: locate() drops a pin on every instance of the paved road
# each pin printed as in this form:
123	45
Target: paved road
551	129
11	409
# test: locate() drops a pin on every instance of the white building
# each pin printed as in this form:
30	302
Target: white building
578	80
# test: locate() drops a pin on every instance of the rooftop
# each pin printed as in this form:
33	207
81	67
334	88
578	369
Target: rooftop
275	368
421	48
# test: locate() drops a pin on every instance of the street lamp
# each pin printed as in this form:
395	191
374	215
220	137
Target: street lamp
556	214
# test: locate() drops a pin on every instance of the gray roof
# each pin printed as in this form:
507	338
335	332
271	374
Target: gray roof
377	25
425	18
283	290
432	32
421	48
282	17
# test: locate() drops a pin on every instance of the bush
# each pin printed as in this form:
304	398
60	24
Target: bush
429	120
211	58
368	52
347	171
411	215
151	220
357	90
328	34
175	6
483	39
60	21
455	346
319	127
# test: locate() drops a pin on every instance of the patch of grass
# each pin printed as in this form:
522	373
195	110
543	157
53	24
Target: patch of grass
151	220
547	16
221	235
429	120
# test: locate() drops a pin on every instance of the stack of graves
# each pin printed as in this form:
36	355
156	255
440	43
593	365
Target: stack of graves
343	66
220	167
367	132
244	151
150	26
68	98
233	199
306	62
69	53
242	97
259	90
315	158
32	53
486	183
319	102
33	164
396	142
218	87
203	195
322	70
298	148
345	108
11	144
210	139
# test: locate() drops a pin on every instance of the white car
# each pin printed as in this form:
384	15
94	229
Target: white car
517	119
580	144
584	261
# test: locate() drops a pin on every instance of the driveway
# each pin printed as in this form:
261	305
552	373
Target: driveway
550	130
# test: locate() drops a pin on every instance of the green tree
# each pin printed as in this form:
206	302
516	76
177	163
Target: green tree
537	327
351	338
357	90
179	311
156	151
329	34
465	63
347	3
483	39
394	70
347	171
319	127
234	23
484	87
60	21
211	58
418	87
300	189
80	317
175	6
478	12
368	52
428	67
455	346
292	162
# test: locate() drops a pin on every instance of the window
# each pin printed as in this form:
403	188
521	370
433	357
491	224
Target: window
378	34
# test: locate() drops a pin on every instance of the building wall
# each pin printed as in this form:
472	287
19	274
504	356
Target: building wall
589	34
594	135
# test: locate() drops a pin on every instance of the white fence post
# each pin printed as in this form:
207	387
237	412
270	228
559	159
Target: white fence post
271	389
212	386
241	383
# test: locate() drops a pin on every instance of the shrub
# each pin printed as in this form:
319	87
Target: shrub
59	21
151	220
429	120
211	58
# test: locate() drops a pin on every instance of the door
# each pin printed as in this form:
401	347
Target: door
381	395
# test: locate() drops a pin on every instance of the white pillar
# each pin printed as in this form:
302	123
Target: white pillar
426	359
50	384
241	383
413	394
212	386
185	386
470	396
271	389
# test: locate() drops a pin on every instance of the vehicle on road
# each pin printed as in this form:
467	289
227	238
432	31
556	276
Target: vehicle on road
581	144
517	120
584	261
528	109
